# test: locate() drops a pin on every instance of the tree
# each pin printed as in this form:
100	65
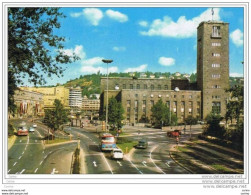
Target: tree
213	125
57	116
190	120
161	115
235	104
33	48
115	114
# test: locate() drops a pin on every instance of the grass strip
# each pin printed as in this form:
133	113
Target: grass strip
55	141
128	145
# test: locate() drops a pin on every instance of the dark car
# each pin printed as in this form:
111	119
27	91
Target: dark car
142	144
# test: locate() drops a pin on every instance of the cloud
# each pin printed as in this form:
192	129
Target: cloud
78	50
235	74
115	48
182	28
164	61
92	61
237	37
103	70
115	15
93	15
137	69
143	23
95	64
76	15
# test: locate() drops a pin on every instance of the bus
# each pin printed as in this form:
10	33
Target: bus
107	142
22	129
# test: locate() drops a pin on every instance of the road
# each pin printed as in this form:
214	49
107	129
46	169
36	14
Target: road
28	155
153	160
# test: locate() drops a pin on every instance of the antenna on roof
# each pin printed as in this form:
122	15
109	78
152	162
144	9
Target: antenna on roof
212	10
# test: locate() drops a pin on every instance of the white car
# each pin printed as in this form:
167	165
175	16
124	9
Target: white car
31	129
34	125
117	153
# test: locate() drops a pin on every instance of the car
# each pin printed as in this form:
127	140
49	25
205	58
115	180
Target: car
142	144
34	125
117	153
31	129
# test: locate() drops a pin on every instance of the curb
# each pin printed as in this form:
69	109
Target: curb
179	163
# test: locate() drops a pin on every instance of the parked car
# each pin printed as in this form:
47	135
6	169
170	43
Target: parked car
142	144
31	129
34	125
117	153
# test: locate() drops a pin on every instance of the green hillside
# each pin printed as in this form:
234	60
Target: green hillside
90	84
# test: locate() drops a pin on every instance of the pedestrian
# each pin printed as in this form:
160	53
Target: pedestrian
177	140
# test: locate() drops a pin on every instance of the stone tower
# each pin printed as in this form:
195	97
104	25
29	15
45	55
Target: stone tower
213	66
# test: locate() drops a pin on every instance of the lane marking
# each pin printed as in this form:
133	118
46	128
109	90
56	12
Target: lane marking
20	141
20	157
107	163
119	163
22	171
167	164
14	164
144	163
9	170
36	170
94	163
41	162
154	162
134	165
54	171
22	152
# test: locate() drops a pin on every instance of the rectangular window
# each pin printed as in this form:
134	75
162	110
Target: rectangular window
124	86
152	103
128	109
131	86
215	76
144	109
216	86
190	108
168	104
166	87
216	31
216	54
175	107
138	86
152	87
159	87
215	65
136	95
145	86
216	44
216	107
128	103
144	102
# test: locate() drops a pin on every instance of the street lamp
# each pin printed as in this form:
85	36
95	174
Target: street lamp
106	116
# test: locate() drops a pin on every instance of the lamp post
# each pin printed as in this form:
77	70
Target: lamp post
106	116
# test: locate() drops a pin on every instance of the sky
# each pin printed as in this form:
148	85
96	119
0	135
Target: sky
142	39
